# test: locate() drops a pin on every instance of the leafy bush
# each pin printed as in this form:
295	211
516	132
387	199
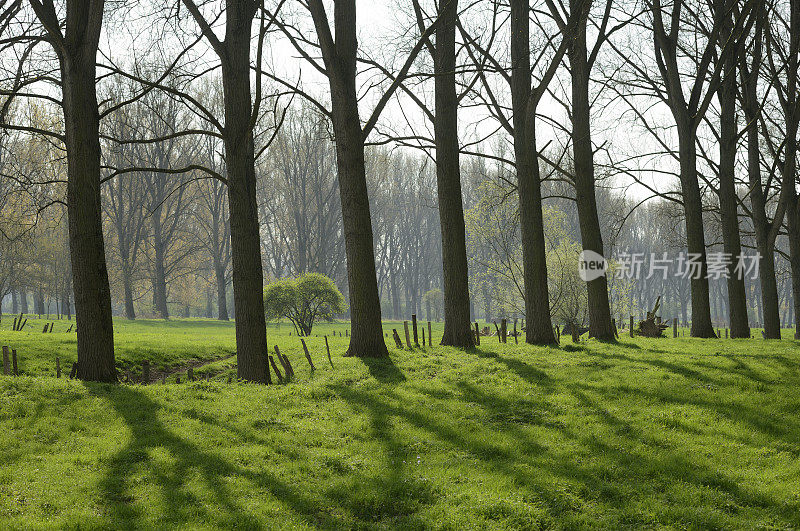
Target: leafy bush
303	301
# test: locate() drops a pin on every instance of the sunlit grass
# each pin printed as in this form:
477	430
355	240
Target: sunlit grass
646	433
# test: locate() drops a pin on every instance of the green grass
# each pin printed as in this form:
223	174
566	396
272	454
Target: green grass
669	433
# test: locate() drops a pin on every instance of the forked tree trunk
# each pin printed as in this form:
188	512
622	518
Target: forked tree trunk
539	329
457	329
591	238
763	228
728	202
248	276
87	255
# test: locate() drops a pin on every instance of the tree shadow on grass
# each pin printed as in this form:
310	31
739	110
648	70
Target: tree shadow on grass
606	467
384	370
185	460
524	370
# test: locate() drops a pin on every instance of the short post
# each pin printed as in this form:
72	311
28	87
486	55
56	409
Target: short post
430	335
423	336
516	339
477	335
275	368
726	333
328	348
397	338
558	334
504	329
631	326
414	328
674	328
6	361
177	379
14	361
145	372
308	355
58	367
408	336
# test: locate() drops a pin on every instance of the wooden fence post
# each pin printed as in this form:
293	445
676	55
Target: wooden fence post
275	368
675	328
516	339
430	335
504	329
328	348
631	326
477	335
6	363
308	355
414	327
423	336
397	338
408	336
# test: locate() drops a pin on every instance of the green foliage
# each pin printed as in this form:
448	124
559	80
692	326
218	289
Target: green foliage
644	434
303	301
493	247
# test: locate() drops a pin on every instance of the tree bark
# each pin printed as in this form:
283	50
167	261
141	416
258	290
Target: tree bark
222	293
695	235
728	201
765	231
158	274
591	238
539	328
77	59
366	338
248	276
457	329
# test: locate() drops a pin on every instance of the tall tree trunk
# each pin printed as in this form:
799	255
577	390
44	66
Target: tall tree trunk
130	312
366	337
695	236
127	283
539	329
583	154
763	228
14	305
222	293
728	201
248	276
38	302
87	255
159	277
457	330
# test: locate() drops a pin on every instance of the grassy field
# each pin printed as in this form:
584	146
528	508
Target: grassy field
646	433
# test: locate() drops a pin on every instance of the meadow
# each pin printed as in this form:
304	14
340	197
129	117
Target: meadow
645	433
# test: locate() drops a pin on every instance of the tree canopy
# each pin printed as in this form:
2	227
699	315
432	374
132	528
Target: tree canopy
303	300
